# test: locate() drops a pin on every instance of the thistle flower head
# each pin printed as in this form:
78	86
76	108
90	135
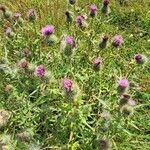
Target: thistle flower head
124	99
40	71
140	59
72	2
123	83
23	64
70	41
79	20
32	15
131	102
48	30
93	8
106	2
97	63
118	40
68	85
17	15
8	31
104	144
105	38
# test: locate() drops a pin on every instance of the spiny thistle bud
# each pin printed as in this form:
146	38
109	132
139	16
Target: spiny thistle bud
23	64
32	15
104	144
124	100
140	59
97	63
127	110
72	2
4	116
69	17
103	43
93	10
105	7
8	15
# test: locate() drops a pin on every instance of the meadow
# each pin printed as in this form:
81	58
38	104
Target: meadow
74	75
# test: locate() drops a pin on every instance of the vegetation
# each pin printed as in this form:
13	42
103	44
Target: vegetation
74	76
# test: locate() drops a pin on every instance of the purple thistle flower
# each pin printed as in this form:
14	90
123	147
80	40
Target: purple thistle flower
48	30
40	71
70	41
67	85
32	15
123	83
8	31
93	9
79	21
140	59
118	40
97	63
17	15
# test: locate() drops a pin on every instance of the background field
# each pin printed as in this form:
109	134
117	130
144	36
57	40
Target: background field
40	108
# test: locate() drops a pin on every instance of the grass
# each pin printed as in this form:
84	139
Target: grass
39	109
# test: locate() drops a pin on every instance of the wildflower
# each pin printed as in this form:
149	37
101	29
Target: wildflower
39	71
118	40
9	32
17	15
93	9
48	30
140	59
105	7
70	41
23	63
103	43
97	63
123	83
131	102
68	85
4	116
124	100
72	2
32	15
80	20
104	144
